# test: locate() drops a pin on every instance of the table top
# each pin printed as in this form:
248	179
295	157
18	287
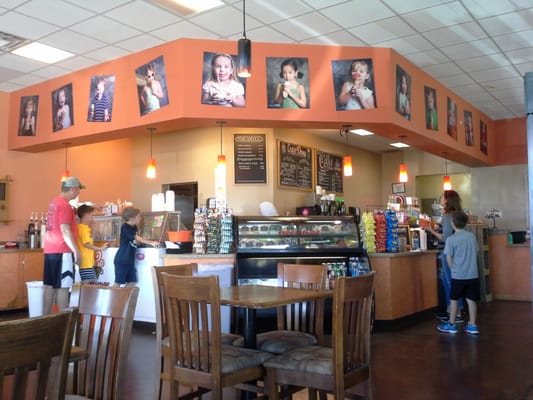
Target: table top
259	296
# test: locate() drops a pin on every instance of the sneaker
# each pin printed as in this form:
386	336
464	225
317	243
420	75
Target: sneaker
447	328
471	329
459	319
446	318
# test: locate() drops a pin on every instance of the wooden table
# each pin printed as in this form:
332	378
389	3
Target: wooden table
252	297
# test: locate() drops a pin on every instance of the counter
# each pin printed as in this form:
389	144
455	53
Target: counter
511	268
406	283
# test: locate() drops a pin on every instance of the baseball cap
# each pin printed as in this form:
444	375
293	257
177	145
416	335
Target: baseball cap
71	182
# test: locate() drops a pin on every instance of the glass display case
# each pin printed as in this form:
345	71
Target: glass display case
295	234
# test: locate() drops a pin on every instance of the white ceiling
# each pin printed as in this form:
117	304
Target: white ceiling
480	49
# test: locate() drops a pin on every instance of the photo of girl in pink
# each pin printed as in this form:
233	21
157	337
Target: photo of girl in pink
152	86
353	84
221	86
28	115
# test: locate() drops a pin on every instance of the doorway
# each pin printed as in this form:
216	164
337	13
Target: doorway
185	200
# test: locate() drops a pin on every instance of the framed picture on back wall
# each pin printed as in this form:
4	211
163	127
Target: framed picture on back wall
483	137
353	84
403	93
62	108
469	128
29	105
287	82
152	86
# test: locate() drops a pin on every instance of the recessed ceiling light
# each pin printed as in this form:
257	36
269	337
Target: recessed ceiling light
361	132
399	145
42	52
186	7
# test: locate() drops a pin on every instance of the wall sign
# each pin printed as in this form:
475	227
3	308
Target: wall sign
329	172
295	166
250	158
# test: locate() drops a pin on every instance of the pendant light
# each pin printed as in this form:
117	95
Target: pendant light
221	159
244	45
347	159
403	176
446	182
66	172
150	169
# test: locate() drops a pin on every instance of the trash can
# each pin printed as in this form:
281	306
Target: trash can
35	298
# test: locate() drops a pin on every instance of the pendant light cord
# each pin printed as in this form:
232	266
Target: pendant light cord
221	123
244	18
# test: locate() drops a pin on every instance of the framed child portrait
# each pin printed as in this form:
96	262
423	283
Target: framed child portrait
469	128
403	93
152	86
62	108
220	84
353	84
101	98
29	105
432	114
483	137
451	118
287	82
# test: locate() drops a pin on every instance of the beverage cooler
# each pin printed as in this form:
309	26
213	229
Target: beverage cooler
154	226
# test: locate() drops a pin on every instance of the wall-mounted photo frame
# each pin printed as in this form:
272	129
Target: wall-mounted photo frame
152	86
29	105
353	84
102	92
62	108
403	93
220	84
287	82
432	114
398	187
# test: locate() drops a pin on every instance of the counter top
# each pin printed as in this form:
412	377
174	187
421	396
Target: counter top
403	254
200	256
20	250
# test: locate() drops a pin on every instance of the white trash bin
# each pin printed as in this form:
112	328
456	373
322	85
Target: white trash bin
35	298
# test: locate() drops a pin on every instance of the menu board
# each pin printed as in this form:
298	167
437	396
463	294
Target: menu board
250	158
295	166
329	172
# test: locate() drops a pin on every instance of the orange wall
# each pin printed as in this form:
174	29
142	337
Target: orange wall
184	63
511	141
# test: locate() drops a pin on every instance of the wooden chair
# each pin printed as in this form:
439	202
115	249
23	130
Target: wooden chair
198	357
104	330
34	355
300	324
344	365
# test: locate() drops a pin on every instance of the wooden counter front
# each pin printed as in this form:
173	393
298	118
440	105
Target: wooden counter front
510	268
406	283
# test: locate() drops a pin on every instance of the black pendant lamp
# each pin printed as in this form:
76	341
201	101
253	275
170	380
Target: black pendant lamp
244	58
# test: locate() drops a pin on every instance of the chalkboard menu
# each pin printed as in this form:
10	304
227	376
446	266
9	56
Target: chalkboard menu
295	166
329	172
250	158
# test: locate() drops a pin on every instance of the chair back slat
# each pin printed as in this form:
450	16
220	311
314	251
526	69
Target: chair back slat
33	365
305	316
106	319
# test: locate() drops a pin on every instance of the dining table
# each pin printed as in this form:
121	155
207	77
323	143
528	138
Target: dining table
253	297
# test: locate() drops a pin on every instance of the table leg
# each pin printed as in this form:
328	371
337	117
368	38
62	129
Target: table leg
249	330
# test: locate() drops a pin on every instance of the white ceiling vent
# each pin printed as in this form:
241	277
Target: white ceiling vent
9	42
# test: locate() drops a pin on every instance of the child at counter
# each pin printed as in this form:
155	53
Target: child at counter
125	271
86	244
461	251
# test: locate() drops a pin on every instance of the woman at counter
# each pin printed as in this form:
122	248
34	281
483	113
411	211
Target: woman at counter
451	202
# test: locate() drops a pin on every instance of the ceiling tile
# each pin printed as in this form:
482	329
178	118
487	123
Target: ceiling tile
7	74
471	49
508	23
381	30
27	80
78	62
438	17
139	43
54	12
319	4
339	38
108	53
345	15
72	41
409	44
99	5
520	56
455	34
19	63
51	71
224	21
472	88
405	6
104	29
142	16
525	67
442	70
515	81
9	87
429	57
494	74
267	34
272	11
488	8
484	62
515	40
456	80
17	24
180	30
306	26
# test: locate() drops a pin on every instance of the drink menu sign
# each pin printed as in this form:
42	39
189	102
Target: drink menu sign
295	166
250	158
329	172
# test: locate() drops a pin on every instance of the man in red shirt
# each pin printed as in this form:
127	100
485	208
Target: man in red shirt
60	249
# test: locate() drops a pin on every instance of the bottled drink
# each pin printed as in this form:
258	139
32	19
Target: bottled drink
43	229
31	232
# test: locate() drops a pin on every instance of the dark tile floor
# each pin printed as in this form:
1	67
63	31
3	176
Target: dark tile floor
413	361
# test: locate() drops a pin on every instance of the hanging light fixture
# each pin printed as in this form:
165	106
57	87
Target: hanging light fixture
221	159
244	45
66	172
347	159
446	181
150	168
403	176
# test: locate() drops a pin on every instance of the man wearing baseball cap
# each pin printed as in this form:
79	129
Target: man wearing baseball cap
60	249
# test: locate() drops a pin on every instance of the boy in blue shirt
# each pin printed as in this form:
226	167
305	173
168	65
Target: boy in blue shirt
461	252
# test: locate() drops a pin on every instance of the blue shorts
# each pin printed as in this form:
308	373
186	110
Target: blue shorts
468	288
58	270
125	273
